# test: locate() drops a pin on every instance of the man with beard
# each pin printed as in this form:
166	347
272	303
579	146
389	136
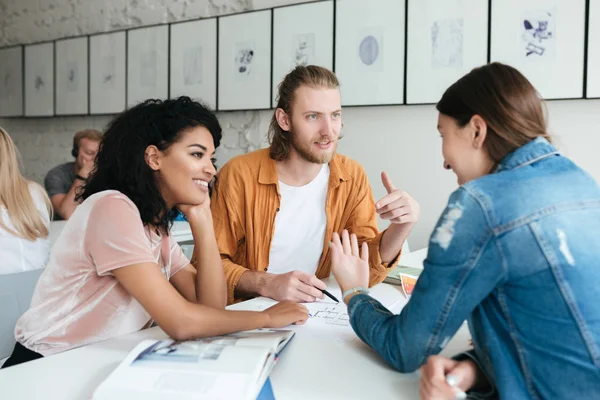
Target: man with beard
275	209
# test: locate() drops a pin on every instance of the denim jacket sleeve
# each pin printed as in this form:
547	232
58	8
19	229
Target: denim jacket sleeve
463	266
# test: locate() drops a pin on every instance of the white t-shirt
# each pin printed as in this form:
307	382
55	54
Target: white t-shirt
19	254
300	226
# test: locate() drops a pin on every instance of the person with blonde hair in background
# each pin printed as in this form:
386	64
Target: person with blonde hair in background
63	182
25	212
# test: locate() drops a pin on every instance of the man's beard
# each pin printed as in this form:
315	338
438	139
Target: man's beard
307	154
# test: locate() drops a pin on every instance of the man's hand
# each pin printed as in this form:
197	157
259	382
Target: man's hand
296	286
397	206
85	167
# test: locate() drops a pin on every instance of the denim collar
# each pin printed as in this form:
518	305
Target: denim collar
531	152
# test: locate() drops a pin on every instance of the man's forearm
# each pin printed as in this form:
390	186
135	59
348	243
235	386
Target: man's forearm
252	284
392	240
68	204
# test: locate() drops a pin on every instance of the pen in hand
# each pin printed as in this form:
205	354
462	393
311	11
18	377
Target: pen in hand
326	293
453	381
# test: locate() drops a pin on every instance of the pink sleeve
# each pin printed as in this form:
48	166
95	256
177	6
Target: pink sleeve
178	259
115	235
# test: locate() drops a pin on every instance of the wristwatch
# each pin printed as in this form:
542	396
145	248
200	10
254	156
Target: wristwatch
357	289
81	178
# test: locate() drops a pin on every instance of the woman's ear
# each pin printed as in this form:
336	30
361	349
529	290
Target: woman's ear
283	119
152	157
479	131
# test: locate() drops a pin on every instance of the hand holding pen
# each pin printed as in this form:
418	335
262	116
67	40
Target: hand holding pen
297	286
445	378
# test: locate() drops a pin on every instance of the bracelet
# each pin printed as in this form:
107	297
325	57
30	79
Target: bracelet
81	178
357	289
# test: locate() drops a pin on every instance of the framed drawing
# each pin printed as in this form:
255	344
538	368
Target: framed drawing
369	51
39	80
593	56
193	68
245	61
147	64
107	73
544	40
11	81
71	74
302	35
446	39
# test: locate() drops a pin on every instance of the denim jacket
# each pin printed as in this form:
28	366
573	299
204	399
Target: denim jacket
517	254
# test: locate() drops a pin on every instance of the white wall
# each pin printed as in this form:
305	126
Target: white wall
404	141
400	140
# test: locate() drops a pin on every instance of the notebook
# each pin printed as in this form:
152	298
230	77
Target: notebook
405	276
233	366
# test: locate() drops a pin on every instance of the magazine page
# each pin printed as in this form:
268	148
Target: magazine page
273	339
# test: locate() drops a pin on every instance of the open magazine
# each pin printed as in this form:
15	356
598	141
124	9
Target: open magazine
234	366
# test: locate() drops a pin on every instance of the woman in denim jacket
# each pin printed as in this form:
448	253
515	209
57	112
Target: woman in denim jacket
516	253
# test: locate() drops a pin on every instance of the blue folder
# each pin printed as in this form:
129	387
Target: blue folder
266	392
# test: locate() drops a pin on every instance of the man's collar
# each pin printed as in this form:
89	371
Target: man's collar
267	172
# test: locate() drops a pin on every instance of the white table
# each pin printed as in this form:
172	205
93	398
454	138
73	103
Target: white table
180	230
315	365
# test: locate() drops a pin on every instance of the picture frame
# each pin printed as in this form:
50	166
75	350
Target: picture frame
107	74
39	80
193	63
446	39
71	75
147	64
544	41
11	81
245	61
302	35
369	51
593	55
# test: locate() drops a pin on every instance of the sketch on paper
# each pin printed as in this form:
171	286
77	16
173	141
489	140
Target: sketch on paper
333	316
148	65
244	54
538	35
39	82
303	47
192	66
72	76
8	88
368	50
109	72
447	43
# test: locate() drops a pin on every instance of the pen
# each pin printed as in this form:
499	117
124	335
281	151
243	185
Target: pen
332	297
453	381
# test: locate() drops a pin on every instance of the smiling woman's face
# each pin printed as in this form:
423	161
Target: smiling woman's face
462	148
185	169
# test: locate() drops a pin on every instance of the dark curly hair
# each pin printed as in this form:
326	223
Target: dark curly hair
120	163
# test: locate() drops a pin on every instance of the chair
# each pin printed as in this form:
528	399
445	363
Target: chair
16	291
